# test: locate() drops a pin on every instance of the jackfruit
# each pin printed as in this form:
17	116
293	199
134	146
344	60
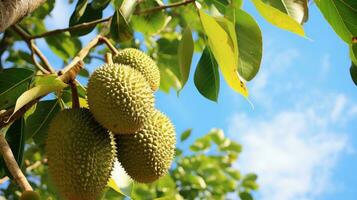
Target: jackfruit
80	154
119	98
141	62
30	195
147	155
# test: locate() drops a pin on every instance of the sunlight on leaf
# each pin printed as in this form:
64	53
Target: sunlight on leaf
278	18
44	85
223	50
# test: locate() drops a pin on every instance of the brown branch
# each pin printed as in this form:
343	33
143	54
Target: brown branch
85	51
72	28
47	69
109	45
155	9
12	165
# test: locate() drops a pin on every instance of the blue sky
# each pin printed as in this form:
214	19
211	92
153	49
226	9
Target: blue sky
300	137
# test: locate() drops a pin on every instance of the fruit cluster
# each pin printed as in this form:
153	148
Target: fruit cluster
121	123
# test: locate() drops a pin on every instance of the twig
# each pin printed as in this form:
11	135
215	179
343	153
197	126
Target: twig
84	52
12	165
68	75
155	9
72	28
35	50
109	45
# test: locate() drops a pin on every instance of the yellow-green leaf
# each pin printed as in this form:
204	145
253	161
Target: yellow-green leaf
185	53
223	49
278	18
44	85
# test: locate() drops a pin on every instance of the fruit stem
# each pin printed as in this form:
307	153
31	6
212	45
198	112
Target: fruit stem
12	165
109	58
75	98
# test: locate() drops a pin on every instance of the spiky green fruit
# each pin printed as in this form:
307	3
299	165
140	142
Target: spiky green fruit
119	98
141	62
30	195
147	155
80	154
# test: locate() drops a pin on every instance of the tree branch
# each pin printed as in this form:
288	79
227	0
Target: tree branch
11	11
34	50
12	165
155	9
72	28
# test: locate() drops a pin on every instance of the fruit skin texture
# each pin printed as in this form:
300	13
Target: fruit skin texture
30	195
119	98
80	153
141	62
147	155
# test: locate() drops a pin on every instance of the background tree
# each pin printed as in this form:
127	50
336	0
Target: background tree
229	40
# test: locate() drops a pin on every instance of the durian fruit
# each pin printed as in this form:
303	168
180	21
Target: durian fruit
141	62
30	195
119	98
80	154
147	155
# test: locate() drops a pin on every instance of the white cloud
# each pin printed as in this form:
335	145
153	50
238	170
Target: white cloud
293	151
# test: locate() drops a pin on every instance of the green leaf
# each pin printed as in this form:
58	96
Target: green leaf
84	72
79	11
185	53
44	86
278	18
119	28
100	4
169	72
217	136
150	23
341	15
223	50
206	76
37	123
229	145
13	82
250	44
197	182
15	137
201	144
186	134
45	9
353	72
64	45
297	9
249	181
234	173
245	196
89	14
